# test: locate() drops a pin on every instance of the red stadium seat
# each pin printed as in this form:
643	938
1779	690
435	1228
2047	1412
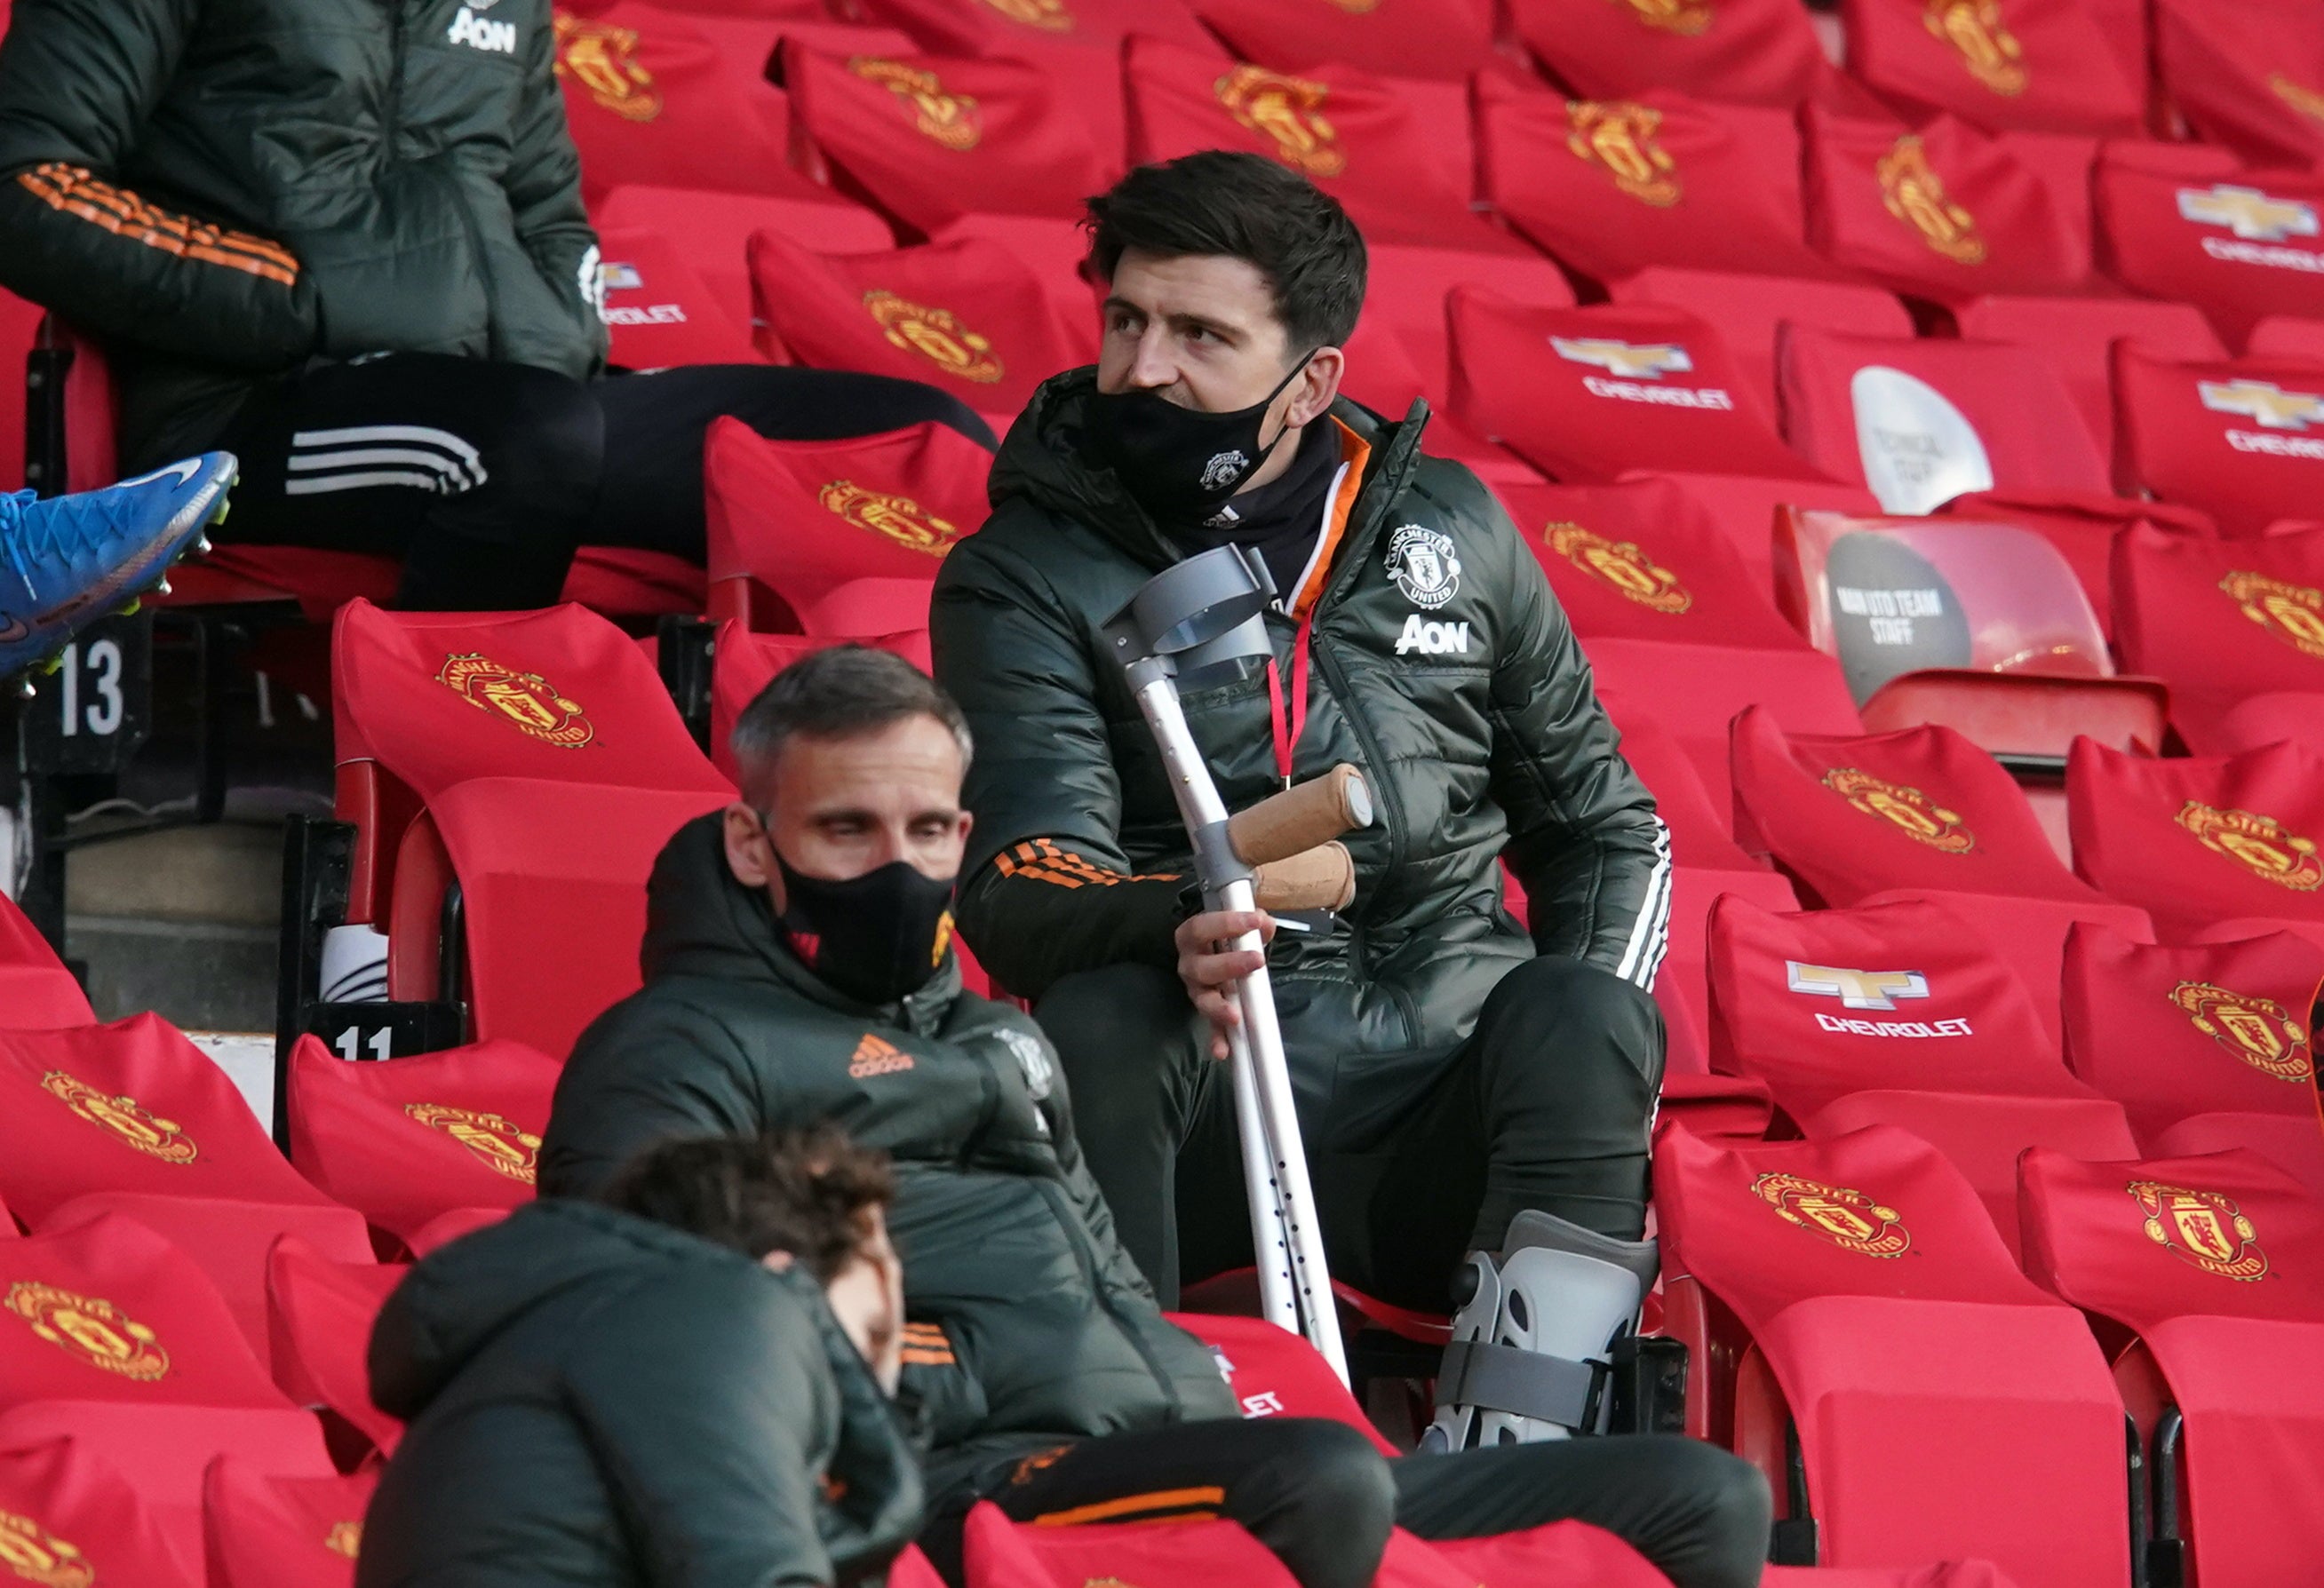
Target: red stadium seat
461	1221
2222	1028
2188	221
319	1315
1587	393
836	537
1003	1554
73	1519
405	1142
1921	421
1611	186
1931	1385
2221	621
1750	311
2212	1264
2249	76
1943	213
1562	1552
2243	440
1445	39
36	991
653	99
109	1334
932	139
1276	1373
2044	64
267	1532
1923	808
743	663
968	317
1752	52
19	322
661	312
2194	842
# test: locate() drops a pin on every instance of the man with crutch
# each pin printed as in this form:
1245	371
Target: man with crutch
1475	1101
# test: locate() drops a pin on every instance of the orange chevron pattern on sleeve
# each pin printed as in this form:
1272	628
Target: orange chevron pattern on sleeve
72	189
925	1345
1041	859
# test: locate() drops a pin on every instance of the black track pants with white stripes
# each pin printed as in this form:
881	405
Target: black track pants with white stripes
1547	1105
484	477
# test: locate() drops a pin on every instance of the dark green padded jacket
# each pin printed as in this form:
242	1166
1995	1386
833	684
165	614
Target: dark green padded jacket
221	190
597	1399
1452	679
1007	1244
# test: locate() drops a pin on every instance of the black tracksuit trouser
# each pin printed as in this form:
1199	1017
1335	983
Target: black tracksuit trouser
1321	1498
485	477
1548	1104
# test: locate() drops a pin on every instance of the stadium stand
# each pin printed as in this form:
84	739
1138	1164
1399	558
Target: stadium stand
2044	65
2236	627
2230	437
2250	78
2192	223
1753	52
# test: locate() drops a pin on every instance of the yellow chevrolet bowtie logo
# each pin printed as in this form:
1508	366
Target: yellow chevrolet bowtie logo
2264	400
1856	989
1632	360
2247	212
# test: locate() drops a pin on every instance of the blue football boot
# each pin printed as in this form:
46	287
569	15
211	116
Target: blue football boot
68	560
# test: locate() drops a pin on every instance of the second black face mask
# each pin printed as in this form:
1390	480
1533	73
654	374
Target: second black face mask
1179	463
876	937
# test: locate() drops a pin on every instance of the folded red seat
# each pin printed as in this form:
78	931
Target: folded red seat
406	1141
968	317
36	990
2249	76
2212	1263
1276	1373
74	1522
651	97
319	1314
1930	1387
1588	393
836	537
744	662
2040	64
714	230
2202	841
1612	186
2221	621
2241	439
112	1336
1751	51
268	1532
1751	311
2190	222
660	311
1944	212
1446	39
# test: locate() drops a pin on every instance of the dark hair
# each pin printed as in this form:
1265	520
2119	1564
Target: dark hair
843	692
1244	207
806	1192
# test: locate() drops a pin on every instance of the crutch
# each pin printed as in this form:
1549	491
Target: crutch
1200	622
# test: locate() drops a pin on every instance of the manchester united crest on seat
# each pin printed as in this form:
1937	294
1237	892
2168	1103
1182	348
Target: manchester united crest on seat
1619	138
1622	565
2258	1030
602	58
2261	844
40	1557
2293	613
1916	195
898	517
1290	111
122	1118
525	698
1053	16
1978	33
2201	1228
936	334
1921	817
1685	18
951	120
1849	1219
91	1328
344	1538
501	1144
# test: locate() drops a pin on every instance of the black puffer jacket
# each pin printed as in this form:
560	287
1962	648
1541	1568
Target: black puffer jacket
224	189
1007	1244
1452	681
599	1400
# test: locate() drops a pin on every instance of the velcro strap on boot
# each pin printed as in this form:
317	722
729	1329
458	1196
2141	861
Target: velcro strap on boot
1522	1384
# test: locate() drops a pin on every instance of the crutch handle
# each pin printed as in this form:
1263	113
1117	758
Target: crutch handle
1321	878
1301	818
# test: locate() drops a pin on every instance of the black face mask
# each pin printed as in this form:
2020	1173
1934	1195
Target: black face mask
1181	465
876	937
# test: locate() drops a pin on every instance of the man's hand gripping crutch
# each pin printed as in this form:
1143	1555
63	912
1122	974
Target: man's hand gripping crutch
1196	622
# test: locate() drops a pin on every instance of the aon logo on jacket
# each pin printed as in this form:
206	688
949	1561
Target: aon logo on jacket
499	38
1431	639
